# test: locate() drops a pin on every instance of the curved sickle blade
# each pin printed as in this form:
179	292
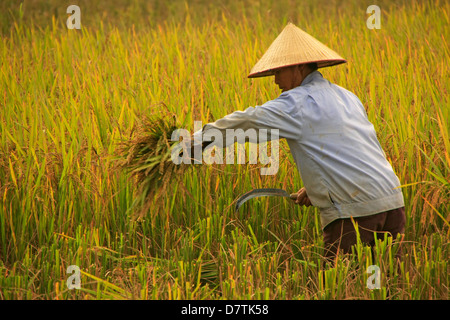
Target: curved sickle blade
263	193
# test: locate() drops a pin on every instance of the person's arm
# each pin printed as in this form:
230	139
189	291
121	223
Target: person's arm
279	114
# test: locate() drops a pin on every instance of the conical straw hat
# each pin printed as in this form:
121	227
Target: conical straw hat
294	46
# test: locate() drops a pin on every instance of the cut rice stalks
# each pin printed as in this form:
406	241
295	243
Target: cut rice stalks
147	158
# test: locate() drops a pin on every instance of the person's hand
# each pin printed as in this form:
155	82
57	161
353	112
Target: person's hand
302	198
190	145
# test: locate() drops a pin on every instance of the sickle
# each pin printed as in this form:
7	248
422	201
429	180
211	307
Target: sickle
263	193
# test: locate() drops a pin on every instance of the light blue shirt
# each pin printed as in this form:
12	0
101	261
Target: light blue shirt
342	165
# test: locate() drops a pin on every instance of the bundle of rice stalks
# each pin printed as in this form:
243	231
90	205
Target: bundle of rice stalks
147	158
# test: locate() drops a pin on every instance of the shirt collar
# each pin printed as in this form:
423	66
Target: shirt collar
310	77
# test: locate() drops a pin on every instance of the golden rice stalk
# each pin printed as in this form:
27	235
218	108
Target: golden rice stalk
147	158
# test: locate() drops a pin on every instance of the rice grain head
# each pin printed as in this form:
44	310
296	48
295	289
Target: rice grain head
146	157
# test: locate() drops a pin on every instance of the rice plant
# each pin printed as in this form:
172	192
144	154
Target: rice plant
73	101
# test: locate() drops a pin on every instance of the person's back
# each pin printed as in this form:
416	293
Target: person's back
341	162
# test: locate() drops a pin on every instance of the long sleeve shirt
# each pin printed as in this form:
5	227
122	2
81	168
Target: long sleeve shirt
334	145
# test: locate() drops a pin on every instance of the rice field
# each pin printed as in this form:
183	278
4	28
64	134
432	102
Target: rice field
68	98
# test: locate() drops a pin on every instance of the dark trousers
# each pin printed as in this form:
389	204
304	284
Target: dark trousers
341	235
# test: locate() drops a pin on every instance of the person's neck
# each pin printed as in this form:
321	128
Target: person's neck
306	74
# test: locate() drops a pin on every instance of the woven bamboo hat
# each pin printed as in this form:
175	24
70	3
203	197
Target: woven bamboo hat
294	46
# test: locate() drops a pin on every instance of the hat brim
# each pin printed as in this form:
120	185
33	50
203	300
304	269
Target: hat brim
320	64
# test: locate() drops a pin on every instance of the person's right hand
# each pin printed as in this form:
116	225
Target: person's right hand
302	198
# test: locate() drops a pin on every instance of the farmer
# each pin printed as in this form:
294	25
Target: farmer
343	167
